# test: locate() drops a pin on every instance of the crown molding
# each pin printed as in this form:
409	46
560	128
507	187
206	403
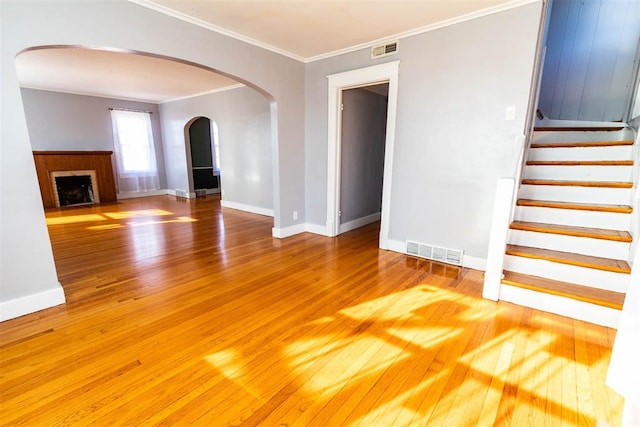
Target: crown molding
208	92
215	28
427	28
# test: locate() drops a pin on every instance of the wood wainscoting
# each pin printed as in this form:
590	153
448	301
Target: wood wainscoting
54	161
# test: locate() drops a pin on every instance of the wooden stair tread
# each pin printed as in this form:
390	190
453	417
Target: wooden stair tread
578	129
588	294
580	163
569	230
599	184
581	144
574	206
598	263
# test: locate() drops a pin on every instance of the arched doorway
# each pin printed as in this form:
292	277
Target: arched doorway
204	155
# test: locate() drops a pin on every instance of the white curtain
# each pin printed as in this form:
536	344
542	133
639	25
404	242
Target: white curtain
137	170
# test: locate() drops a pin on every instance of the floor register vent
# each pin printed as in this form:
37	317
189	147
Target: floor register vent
435	253
182	193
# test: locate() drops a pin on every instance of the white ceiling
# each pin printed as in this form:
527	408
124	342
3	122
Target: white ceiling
311	29
305	30
115	75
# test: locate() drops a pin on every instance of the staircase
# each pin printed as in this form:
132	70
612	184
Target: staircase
568	246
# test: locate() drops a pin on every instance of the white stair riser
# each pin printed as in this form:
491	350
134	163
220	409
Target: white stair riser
611	281
568	307
608	220
577	245
581	153
579	173
593	195
551	136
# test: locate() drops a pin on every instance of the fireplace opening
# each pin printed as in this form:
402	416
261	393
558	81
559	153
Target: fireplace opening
75	190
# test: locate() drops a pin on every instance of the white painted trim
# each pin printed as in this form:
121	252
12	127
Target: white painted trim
208	92
31	303
349	79
132	195
215	28
416	31
397	246
281	233
474	263
425	29
502	207
560	305
247	208
316	229
357	223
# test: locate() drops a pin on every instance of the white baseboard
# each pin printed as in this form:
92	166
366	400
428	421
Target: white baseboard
317	229
357	223
474	263
134	195
246	208
31	303
396	246
281	233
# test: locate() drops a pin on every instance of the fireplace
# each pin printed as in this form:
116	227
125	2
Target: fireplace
75	188
96	164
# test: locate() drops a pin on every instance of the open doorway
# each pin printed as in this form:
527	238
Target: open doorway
363	134
385	74
205	155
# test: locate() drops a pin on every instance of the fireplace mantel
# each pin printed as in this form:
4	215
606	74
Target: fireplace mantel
57	161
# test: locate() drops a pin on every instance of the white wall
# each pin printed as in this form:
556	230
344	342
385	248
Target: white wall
68	122
27	266
244	131
452	142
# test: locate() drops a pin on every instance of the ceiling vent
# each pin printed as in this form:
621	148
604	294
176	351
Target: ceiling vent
435	253
384	50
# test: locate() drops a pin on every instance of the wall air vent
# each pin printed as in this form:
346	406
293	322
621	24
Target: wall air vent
435	253
384	50
182	193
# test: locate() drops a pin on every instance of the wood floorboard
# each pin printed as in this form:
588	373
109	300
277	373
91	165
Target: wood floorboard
184	313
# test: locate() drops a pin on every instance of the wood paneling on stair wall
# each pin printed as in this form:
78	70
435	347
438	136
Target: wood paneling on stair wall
182	313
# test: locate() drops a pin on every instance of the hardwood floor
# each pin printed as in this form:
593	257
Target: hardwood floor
183	313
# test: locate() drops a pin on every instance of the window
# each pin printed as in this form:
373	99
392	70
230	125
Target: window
134	148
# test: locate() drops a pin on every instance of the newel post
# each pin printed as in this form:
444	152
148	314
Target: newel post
498	238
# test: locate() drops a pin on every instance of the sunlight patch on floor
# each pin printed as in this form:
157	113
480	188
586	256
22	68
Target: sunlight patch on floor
323	373
232	365
105	227
387	308
74	219
138	213
424	336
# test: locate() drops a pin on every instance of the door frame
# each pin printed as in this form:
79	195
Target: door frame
383	73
